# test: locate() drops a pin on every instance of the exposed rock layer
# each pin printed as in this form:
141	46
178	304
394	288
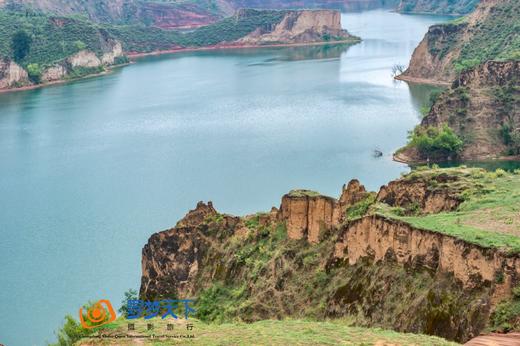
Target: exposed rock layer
365	254
299	27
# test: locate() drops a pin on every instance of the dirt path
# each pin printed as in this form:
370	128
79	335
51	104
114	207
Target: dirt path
512	339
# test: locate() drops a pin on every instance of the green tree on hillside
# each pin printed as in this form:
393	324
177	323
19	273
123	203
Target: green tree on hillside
21	45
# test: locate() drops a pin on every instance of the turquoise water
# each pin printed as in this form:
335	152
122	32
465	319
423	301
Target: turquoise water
90	169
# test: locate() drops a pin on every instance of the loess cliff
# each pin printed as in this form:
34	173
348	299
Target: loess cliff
482	107
88	48
298	27
361	255
478	58
489	33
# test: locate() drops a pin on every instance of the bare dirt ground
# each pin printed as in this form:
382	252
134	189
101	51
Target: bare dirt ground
511	339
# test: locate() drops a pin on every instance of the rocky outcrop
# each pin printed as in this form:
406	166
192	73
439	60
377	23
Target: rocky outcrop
449	48
54	73
307	214
84	59
483	108
383	270
299	27
12	75
351	194
432	60
377	240
109	57
384	239
418	195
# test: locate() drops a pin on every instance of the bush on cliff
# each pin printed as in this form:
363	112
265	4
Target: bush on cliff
436	143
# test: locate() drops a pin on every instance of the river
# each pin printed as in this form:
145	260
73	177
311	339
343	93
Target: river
90	169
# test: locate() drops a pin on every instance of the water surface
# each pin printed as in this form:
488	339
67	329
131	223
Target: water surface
90	169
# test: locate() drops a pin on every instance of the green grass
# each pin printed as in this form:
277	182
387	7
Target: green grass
53	38
268	332
489	215
303	193
496	38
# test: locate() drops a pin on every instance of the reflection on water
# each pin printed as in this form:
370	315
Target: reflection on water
420	95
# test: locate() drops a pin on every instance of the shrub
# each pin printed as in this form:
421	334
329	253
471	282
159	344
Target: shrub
500	172
506	316
436	143
35	73
361	208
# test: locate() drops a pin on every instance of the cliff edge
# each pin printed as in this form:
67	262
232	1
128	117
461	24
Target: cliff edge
378	258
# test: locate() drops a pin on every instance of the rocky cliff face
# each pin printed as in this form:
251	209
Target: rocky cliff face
419	194
299	27
308	259
483	108
486	34
12	75
432	60
449	7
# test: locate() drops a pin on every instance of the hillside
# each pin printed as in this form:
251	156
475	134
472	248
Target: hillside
86	47
482	108
413	257
491	32
477	117
443	7
163	14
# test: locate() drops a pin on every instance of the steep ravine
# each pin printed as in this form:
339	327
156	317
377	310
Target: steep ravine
320	257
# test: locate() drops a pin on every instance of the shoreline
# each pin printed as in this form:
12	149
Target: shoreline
416	80
108	70
134	55
405	159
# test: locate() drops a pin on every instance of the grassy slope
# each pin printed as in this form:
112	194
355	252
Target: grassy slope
497	37
288	332
489	216
449	7
481	37
53	42
144	39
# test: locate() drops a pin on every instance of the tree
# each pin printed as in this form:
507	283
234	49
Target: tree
35	73
21	45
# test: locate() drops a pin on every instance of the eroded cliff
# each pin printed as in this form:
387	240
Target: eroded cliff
489	33
298	27
311	258
483	108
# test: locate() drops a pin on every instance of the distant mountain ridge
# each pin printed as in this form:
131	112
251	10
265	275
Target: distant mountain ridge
194	13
